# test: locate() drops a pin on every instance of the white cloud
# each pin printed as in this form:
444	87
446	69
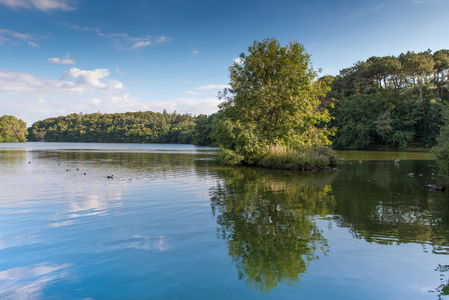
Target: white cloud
16	38
42	5
15	34
11	35
93	78
33	98
193	105
213	87
195	52
123	40
161	39
238	60
65	60
209	89
33	44
140	44
119	72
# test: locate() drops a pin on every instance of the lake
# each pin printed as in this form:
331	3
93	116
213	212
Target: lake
173	223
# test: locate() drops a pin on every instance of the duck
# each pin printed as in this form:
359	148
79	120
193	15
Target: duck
436	187
110	176
397	160
68	170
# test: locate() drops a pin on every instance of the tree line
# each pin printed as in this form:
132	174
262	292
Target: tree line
390	102
129	127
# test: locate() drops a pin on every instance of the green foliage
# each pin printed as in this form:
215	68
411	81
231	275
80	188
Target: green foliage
441	150
12	129
390	102
280	157
272	100
130	127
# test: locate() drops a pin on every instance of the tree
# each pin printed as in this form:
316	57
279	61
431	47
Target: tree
273	100
441	59
12	129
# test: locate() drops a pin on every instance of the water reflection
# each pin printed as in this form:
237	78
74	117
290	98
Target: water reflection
29	282
268	219
150	229
443	288
381	204
159	243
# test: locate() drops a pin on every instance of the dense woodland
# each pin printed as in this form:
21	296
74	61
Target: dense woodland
130	127
12	130
390	102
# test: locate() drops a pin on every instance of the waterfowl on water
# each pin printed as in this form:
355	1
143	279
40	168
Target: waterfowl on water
110	176
436	187
67	170
397	160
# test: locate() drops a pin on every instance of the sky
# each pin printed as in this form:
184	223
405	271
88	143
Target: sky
59	57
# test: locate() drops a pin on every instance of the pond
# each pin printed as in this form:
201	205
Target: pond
173	223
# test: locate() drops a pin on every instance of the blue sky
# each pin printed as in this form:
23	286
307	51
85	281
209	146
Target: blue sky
61	56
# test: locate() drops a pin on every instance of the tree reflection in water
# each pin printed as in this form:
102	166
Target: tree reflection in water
269	222
443	289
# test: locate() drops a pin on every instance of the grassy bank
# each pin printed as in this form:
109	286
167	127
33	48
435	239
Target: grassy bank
280	157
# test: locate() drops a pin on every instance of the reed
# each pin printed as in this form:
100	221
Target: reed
281	157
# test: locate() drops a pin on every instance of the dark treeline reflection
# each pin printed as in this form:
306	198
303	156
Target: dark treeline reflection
268	219
380	203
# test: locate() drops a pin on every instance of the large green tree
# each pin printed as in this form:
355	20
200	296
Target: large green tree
273	100
12	129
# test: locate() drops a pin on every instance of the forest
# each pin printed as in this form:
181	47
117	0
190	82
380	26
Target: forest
12	130
390	102
130	127
383	103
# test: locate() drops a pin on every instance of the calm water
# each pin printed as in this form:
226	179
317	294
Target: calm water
175	224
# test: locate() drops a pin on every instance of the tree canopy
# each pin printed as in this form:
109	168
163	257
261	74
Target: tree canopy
130	127
273	99
12	129
390	102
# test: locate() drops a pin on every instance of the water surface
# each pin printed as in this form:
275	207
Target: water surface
175	224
